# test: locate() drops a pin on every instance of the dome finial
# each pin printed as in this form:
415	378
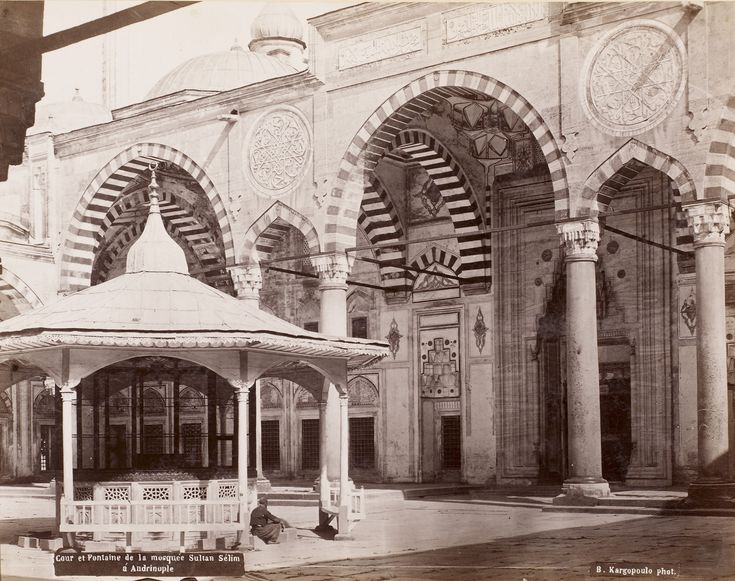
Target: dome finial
154	193
155	250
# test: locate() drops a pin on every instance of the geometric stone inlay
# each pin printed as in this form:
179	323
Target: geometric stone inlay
195	492
278	152
634	78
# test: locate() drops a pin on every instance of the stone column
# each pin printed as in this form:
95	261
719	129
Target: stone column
247	281
344	467
262	482
68	395
241	394
710	223
333	270
584	481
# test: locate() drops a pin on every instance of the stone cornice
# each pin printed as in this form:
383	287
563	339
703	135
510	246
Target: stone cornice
198	111
39	253
372	16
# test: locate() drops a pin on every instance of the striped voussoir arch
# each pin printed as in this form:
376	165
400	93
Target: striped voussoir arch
719	174
447	175
434	255
380	222
85	231
19	293
387	121
256	238
627	162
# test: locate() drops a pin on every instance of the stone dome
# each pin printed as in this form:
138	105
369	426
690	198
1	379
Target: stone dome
65	116
276	20
221	71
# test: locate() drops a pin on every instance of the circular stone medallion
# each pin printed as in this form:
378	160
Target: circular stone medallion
278	153
634	78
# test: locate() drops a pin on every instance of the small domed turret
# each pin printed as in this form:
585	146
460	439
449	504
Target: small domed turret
277	32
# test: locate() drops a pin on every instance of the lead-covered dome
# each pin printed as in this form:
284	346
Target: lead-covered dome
276	20
221	71
65	116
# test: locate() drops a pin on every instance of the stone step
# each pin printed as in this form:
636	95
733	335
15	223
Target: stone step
439	490
42	490
293	501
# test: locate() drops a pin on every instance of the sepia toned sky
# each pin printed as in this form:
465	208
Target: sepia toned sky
146	51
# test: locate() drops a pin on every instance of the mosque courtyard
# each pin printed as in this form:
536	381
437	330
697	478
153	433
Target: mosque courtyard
479	535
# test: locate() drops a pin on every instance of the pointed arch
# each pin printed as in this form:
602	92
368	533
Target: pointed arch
461	200
86	227
435	255
288	215
622	166
362	392
21	295
380	221
394	114
719	173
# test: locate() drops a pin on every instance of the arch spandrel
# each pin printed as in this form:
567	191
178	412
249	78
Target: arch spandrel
719	177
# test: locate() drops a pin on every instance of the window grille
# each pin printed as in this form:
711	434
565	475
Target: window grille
451	443
362	443
271	444
309	444
359	327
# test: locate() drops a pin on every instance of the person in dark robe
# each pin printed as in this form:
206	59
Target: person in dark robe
265	525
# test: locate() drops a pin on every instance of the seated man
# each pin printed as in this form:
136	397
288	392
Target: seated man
264	525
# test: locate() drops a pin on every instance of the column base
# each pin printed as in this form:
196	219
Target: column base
263	484
711	493
343	537
582	492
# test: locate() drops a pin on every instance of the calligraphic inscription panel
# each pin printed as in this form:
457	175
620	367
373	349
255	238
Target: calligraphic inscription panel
485	19
634	78
373	49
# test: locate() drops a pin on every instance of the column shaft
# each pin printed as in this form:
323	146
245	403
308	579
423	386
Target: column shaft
344	453
68	394
241	393
584	448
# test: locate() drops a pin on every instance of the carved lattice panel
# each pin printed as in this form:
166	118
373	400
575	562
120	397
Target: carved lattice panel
117	493
227	491
195	492
156	493
83	493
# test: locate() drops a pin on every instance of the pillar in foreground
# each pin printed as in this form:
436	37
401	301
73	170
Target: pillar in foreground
241	394
584	480
345	497
68	396
333	270
710	223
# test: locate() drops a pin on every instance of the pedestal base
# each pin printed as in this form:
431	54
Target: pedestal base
582	492
343	537
713	493
263	484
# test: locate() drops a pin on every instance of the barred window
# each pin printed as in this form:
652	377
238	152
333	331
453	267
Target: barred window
309	444
362	443
271	444
451	443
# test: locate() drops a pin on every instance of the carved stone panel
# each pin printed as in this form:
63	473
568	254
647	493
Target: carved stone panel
482	19
634	77
279	151
374	48
439	362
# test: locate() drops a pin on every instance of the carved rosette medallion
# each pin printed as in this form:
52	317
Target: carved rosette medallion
634	78
279	152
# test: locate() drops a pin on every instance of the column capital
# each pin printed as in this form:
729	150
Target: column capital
709	222
68	390
241	387
247	280
333	270
580	239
